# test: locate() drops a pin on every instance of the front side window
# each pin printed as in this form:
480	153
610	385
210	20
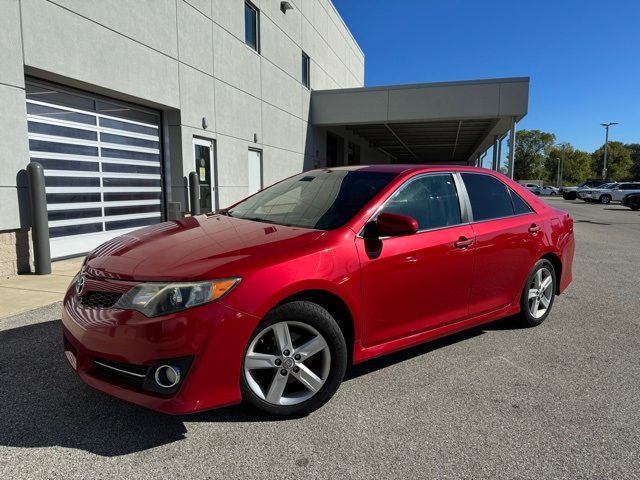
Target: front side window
323	200
489	197
432	200
305	79
251	26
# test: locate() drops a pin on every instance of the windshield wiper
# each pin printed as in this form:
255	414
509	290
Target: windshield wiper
264	220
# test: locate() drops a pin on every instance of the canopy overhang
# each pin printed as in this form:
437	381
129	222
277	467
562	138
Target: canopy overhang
430	122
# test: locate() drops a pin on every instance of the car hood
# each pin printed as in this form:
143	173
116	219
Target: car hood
193	248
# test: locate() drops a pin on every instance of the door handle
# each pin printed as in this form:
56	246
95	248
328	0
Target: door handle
534	228
463	242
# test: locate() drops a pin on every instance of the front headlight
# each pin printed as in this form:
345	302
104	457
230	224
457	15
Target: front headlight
153	299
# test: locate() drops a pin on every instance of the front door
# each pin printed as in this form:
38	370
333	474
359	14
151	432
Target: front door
205	168
254	168
422	281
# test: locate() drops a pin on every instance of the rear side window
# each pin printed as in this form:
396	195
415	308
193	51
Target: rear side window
489	197
519	205
432	200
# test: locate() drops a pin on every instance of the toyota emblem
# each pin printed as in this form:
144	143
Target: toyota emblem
80	285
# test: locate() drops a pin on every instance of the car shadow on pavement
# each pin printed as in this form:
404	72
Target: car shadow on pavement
619	209
507	323
43	403
385	361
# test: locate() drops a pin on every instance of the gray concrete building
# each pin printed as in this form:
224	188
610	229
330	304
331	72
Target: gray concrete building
120	100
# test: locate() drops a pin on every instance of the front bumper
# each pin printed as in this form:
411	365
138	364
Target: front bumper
211	337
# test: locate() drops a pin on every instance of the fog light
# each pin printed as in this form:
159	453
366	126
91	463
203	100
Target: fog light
167	376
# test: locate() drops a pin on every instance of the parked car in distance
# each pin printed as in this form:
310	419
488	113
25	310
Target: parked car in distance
586	193
548	190
532	187
270	300
612	192
570	193
631	200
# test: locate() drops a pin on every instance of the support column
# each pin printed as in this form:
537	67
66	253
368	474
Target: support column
512	147
496	154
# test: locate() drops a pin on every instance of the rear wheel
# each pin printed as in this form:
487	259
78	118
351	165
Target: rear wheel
295	360
605	199
538	294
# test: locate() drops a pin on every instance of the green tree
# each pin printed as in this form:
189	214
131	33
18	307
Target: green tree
634	149
532	150
577	165
619	163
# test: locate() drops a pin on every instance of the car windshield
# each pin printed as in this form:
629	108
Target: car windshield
320	199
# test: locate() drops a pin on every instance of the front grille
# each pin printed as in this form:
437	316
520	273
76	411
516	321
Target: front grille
99	299
133	375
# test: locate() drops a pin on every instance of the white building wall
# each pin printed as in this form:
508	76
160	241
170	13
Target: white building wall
187	58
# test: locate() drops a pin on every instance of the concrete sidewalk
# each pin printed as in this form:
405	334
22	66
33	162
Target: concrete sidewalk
21	293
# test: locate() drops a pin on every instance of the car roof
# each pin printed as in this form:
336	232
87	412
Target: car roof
411	168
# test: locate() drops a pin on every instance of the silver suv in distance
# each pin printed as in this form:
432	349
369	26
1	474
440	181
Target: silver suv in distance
613	192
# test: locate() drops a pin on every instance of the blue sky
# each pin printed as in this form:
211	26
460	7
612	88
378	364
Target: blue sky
583	57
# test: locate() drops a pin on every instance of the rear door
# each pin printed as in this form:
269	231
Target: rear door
421	281
506	242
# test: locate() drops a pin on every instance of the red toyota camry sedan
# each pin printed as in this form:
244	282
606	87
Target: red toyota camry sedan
271	299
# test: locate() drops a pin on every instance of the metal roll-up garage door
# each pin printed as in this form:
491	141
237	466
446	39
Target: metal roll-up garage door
101	161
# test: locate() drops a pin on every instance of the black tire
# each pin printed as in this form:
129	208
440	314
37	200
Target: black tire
526	318
605	199
635	208
318	318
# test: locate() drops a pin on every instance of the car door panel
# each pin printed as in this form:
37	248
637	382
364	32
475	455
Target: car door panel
417	282
505	252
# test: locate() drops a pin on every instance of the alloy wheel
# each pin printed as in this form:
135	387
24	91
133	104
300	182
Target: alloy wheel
287	363
540	293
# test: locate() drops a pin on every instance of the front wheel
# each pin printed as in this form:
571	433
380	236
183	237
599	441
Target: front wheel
538	294
605	199
295	360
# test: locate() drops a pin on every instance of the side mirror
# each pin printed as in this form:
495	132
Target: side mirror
395	224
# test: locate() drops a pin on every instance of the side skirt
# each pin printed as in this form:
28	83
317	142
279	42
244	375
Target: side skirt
366	353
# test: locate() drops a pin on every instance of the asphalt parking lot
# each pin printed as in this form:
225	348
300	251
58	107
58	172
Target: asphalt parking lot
557	401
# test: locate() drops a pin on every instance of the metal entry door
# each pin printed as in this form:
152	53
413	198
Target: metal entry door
203	151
